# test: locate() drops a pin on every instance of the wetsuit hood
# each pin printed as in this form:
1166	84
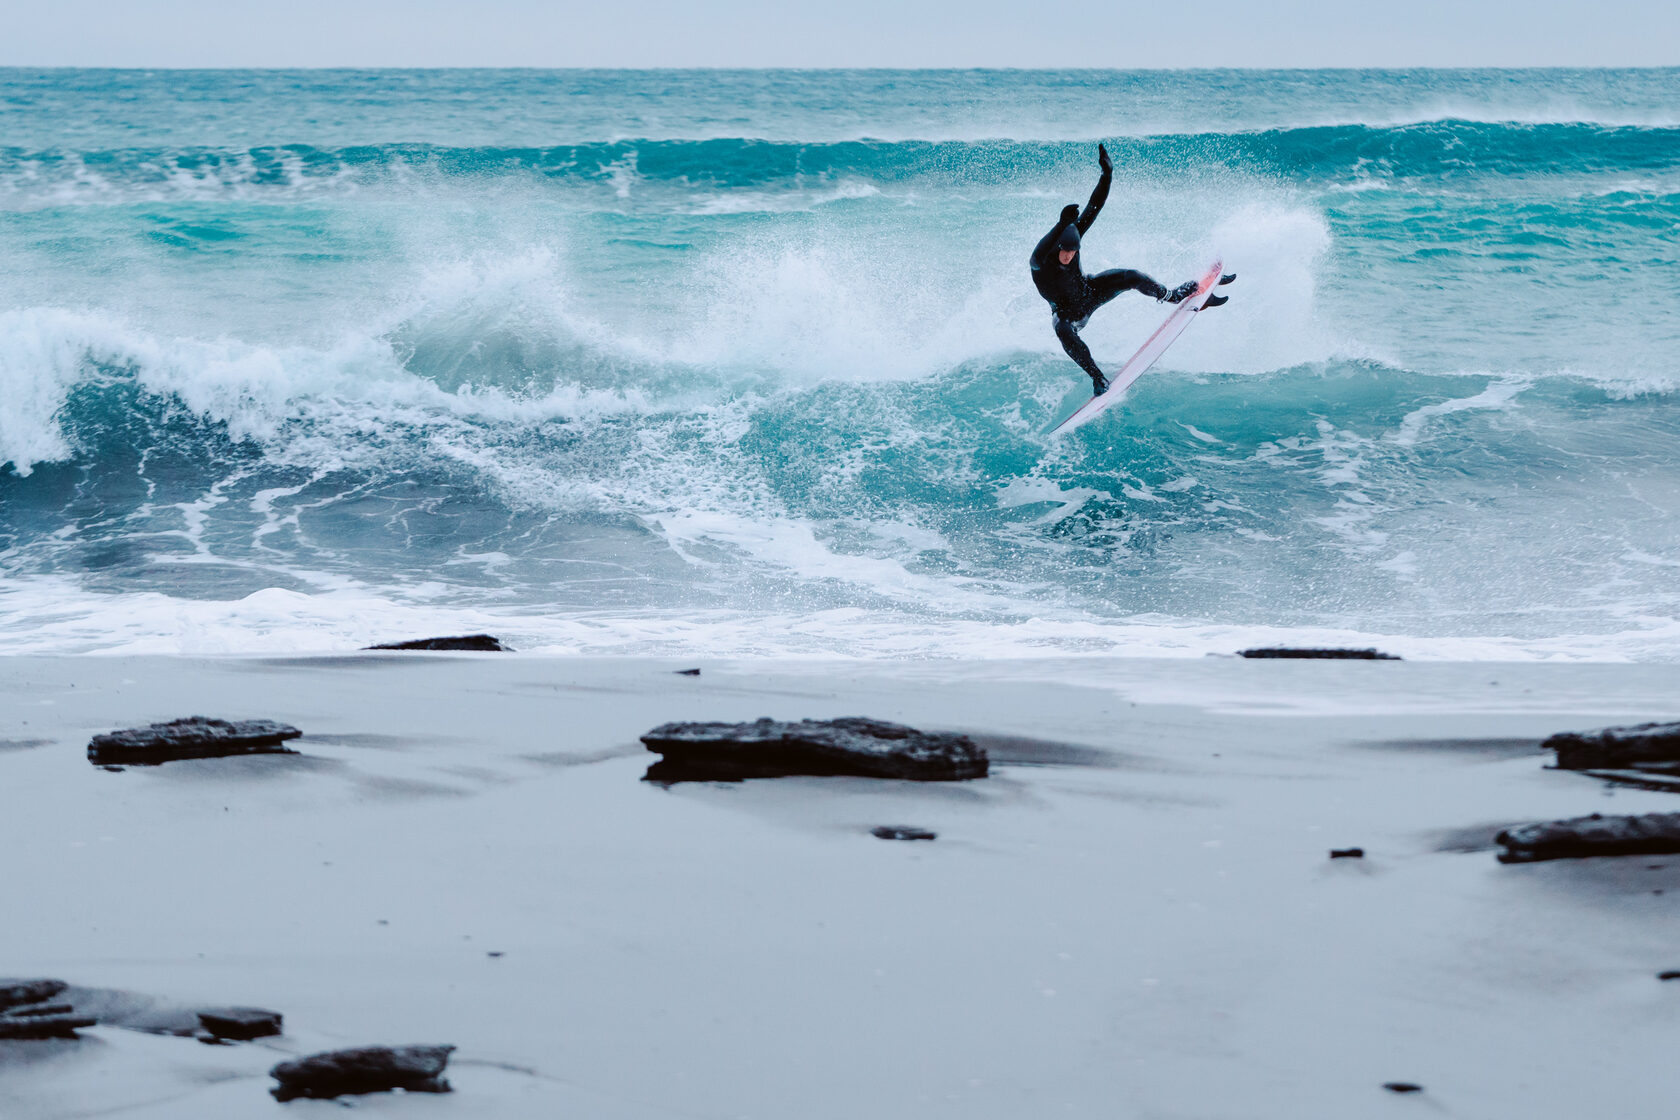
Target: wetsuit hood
1068	240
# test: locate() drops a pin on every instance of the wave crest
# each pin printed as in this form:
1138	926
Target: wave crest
697	170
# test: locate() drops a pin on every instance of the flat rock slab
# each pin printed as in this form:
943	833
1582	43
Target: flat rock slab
26	1013
1291	653
40	1009
54	1024
1597	835
902	832
1617	748
767	748
18	993
368	1069
240	1024
477	643
194	737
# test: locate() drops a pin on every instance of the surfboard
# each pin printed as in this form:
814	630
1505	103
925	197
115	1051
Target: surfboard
1147	354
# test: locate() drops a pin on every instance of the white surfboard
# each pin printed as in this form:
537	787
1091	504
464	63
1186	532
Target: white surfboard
1147	353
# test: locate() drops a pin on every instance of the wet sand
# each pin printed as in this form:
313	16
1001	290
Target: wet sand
1134	916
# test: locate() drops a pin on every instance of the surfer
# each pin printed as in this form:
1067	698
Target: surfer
1073	296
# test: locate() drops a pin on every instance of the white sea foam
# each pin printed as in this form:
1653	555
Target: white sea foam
714	203
40	360
1497	396
790	545
52	615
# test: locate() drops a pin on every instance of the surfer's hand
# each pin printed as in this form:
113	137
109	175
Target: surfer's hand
1181	293
1070	214
1103	161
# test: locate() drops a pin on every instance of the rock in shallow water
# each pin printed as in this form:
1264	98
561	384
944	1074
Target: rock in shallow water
479	643
241	1024
767	748
1292	653
1616	747
26	1014
53	1023
17	993
367	1069
902	832
1597	835
194	737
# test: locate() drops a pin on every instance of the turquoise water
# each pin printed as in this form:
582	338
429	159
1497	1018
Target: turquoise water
718	362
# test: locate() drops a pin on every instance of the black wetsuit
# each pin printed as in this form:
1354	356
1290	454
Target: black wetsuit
1072	294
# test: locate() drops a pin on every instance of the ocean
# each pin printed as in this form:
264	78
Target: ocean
749	363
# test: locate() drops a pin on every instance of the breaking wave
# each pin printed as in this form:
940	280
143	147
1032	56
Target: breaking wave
790	395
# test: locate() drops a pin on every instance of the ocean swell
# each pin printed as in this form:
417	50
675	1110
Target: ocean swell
634	384
1440	152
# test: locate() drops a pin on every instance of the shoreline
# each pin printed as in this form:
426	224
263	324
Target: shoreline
50	616
1134	915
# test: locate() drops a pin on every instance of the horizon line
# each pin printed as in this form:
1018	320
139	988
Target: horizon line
842	69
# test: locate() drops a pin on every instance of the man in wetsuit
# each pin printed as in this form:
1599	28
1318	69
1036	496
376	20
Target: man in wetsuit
1073	296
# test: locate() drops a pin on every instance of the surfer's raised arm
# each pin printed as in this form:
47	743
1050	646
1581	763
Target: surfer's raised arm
1073	296
1100	194
1071	215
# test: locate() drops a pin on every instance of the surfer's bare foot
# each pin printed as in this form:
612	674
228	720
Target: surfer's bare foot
1216	301
1227	278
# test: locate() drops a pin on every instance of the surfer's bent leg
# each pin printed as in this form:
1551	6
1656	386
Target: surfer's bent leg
1106	285
1080	353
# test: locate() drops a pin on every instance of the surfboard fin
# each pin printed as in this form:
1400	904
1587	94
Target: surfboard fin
1227	278
1215	301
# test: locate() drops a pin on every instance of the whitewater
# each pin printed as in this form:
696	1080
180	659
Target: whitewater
742	363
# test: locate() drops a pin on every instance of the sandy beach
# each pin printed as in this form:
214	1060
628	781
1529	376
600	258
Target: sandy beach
1134	915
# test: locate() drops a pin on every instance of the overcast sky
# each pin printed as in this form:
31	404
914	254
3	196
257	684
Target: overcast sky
907	33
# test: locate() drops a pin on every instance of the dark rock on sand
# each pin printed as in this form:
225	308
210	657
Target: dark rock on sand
480	643
240	1024
1649	744
902	832
1402	1087
369	1069
1347	853
196	737
136	1011
26	1013
41	1009
55	1023
706	752
1597	835
688	672
1671	974
1289	652
17	993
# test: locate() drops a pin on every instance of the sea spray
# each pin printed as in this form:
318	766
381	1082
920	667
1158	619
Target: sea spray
767	375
